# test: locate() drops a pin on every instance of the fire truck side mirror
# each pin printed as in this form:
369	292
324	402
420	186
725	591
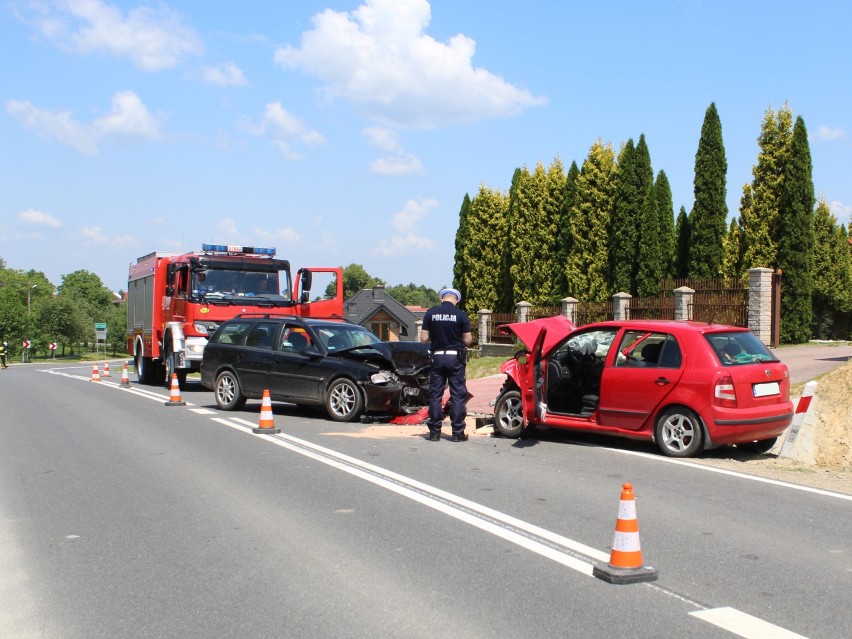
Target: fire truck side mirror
306	279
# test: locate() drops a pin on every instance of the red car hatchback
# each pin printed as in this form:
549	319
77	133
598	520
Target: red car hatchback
688	386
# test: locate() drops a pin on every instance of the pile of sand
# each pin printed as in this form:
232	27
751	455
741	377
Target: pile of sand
832	420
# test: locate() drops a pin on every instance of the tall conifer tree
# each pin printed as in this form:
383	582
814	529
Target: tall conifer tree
563	232
665	209
484	253
462	240
708	220
683	242
651	260
760	218
625	220
796	239
586	271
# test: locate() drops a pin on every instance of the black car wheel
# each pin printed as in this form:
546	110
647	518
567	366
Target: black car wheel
343	400
509	414
228	393
678	432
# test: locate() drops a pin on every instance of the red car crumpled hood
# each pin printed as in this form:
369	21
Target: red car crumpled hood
557	328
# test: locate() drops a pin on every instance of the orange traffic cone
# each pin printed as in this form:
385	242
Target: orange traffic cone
174	394
625	561
125	380
267	420
106	369
96	376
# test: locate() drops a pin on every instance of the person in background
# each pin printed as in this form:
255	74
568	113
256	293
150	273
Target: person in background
3	352
447	329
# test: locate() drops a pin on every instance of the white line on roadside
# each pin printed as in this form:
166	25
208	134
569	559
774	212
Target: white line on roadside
743	624
732	473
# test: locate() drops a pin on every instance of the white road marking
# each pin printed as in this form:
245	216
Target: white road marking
507	527
744	625
731	473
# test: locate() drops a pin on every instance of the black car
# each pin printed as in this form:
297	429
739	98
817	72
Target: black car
339	365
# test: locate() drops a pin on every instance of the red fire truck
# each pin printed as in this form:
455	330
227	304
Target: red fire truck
174	301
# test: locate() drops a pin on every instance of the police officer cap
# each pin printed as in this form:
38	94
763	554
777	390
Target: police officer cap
450	291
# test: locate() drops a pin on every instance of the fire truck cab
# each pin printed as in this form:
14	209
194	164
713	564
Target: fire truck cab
174	301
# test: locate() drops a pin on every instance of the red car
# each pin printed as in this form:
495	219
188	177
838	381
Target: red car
688	386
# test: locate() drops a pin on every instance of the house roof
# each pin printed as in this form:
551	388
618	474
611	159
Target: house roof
364	304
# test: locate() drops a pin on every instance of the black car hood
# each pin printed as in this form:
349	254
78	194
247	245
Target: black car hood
406	358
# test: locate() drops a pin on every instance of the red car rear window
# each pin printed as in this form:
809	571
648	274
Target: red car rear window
738	348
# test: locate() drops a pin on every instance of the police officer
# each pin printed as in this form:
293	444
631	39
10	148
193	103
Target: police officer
447	329
3	353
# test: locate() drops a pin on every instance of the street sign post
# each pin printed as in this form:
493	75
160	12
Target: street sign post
25	353
100	335
52	347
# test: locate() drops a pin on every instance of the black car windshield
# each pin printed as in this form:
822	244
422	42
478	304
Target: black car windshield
346	337
737	348
225	284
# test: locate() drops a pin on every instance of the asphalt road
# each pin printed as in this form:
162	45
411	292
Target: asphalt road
122	517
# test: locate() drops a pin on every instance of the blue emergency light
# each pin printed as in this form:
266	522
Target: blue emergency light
236	248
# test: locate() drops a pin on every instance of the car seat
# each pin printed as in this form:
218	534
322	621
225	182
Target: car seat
298	342
651	353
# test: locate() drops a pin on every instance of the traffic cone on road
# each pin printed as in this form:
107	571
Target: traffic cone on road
96	376
625	561
125	380
174	393
267	419
106	369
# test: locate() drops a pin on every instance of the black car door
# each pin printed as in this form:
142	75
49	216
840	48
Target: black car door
254	360
297	372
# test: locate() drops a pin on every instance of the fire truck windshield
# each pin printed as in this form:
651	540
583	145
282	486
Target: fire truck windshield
226	284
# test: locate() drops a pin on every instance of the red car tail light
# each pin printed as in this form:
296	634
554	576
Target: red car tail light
724	394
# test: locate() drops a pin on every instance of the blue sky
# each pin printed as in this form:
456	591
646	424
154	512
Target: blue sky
349	131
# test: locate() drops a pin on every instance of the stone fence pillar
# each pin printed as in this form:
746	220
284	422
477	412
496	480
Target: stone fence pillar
419	325
683	303
760	303
523	311
484	326
569	309
621	306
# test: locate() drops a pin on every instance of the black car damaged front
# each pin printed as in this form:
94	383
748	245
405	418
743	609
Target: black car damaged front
400	383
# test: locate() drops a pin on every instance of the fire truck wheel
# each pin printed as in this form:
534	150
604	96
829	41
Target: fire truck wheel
169	360
228	393
343	400
144	369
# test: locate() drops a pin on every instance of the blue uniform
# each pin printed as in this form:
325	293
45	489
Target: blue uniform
446	325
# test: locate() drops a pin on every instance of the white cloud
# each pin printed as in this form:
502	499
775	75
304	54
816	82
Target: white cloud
284	129
31	217
230	233
152	37
286	235
379	58
830	132
382	138
405	221
128	117
94	235
401	162
843	212
404	164
60	125
224	75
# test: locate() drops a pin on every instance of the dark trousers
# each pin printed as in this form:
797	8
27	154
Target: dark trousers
447	369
